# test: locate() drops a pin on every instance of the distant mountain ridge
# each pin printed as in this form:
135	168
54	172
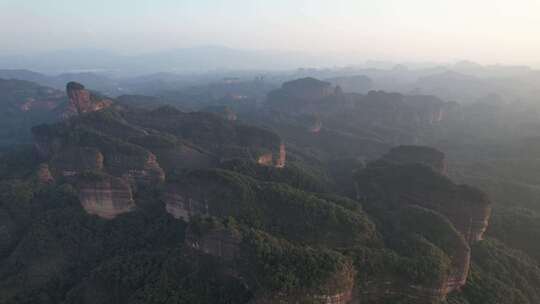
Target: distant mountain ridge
195	59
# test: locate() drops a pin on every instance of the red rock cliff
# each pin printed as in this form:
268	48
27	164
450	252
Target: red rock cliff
82	101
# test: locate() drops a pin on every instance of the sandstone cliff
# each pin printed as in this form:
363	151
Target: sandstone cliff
412	176
104	196
138	146
82	101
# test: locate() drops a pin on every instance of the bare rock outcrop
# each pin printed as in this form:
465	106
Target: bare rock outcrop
181	206
104	196
82	101
217	241
277	160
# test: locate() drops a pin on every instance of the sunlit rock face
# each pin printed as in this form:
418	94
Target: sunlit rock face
105	196
82	101
277	160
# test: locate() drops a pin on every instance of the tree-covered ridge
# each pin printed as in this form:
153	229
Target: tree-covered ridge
190	213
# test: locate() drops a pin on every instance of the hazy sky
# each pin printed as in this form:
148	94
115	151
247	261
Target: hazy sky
489	31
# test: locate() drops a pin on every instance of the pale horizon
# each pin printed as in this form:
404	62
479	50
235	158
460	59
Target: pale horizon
487	32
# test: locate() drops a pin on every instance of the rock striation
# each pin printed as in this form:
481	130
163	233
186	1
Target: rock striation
104	196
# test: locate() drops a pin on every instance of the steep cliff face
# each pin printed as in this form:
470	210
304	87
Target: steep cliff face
181	206
411	177
274	159
467	208
82	101
105	196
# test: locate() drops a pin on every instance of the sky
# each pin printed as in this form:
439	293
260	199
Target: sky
487	31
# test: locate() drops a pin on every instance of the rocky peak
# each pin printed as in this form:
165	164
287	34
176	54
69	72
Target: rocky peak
82	101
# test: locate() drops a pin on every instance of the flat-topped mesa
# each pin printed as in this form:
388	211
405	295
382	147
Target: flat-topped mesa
308	88
418	154
468	208
82	101
306	95
412	176
104	195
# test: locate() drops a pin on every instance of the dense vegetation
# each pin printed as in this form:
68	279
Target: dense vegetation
344	217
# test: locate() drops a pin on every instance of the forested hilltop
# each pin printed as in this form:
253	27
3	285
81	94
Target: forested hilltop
312	195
